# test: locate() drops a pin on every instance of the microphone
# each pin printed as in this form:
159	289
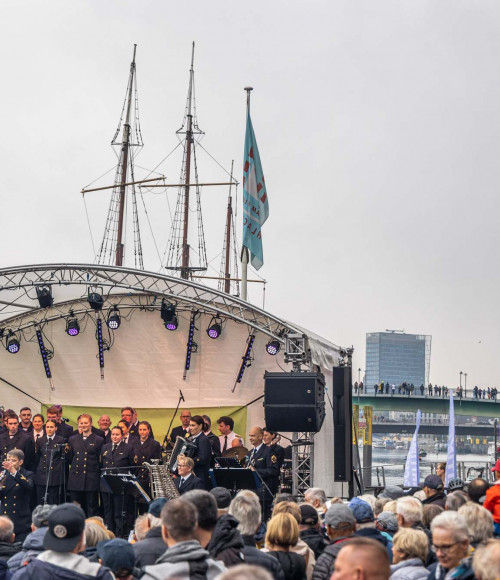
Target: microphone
182	396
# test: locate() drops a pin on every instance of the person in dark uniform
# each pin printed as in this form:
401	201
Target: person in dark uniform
127	436
15	438
16	484
118	509
271	439
183	429
203	453
84	450
25	418
54	413
265	463
104	423
187	480
146	449
214	439
50	445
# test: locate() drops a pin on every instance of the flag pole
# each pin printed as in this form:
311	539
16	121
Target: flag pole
244	251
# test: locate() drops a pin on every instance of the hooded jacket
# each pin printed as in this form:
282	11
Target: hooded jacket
148	551
226	543
32	547
62	566
412	569
184	561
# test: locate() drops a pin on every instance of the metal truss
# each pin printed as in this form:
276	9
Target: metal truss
302	463
128	288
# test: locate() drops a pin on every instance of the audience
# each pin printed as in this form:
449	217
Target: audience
410	551
362	559
281	537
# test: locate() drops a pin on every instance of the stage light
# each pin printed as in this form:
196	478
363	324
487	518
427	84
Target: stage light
190	343
72	326
168	315
95	300
44	353
273	347
13	345
114	319
245	359
100	345
44	295
215	328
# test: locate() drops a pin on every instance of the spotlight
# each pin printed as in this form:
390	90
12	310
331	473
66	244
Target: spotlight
168	315
13	345
72	326
95	300
273	347
44	295
114	319
215	328
45	354
245	359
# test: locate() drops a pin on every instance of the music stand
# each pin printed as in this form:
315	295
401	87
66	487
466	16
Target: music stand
228	462
235	479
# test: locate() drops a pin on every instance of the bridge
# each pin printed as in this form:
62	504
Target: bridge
439	405
386	428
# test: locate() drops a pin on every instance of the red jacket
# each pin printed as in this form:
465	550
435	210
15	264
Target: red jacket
492	501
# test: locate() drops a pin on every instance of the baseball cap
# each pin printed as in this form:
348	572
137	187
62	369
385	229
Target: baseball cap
433	482
156	506
222	497
309	514
40	515
392	492
496	467
117	555
65	527
388	521
362	511
339	516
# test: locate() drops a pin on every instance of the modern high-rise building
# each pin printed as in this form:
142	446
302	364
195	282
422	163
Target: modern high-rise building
396	357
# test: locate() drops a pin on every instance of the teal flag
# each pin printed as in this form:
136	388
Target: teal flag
255	205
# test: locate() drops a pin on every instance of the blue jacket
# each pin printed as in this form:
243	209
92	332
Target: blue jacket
40	570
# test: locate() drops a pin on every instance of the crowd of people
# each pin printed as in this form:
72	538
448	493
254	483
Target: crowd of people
409	389
435	532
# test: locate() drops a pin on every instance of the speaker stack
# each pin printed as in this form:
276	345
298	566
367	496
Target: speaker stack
342	424
294	401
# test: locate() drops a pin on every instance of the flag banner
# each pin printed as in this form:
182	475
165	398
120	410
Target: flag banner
451	462
367	439
255	205
412	467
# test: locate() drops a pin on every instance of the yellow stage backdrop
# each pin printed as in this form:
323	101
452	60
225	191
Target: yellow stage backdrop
159	418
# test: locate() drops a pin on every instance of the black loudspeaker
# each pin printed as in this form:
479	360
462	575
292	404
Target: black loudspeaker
294	401
342	424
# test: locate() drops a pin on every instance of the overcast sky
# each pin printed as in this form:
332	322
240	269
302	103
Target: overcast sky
378	125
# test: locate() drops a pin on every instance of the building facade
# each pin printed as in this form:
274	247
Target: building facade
396	357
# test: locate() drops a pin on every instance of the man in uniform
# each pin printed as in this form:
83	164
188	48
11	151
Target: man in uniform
104	423
15	489
25	416
15	438
118	512
128	414
50	445
265	463
84	450
183	429
214	439
54	413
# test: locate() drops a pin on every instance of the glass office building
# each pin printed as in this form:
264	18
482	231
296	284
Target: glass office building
396	357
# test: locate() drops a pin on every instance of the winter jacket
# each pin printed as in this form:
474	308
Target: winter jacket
374	534
256	557
8	549
184	561
492	501
315	540
436	499
412	569
62	566
147	551
461	572
5	573
326	562
226	543
31	548
293	565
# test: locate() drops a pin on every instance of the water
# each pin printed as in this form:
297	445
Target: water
394	461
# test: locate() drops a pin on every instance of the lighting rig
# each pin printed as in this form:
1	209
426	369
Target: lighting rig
191	346
44	295
168	314
246	360
214	329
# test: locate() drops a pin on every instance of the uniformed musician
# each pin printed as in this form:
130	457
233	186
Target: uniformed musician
271	439
54	413
214	440
203	452
183	429
84	450
187	480
38	428
146	448
16	484
25	415
16	438
265	463
127	436
118	512
104	423
49	450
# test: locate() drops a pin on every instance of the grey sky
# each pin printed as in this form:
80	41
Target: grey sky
378	125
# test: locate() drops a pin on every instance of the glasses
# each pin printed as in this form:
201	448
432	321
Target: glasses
444	549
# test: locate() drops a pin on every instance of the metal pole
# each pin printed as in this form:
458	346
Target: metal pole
465	377
244	253
227	273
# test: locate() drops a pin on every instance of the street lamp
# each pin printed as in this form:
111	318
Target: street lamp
359	375
465	385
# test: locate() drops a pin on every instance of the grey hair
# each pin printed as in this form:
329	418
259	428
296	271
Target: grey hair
479	521
246	510
143	524
410	509
455	500
6	529
452	522
245	572
316	493
486	561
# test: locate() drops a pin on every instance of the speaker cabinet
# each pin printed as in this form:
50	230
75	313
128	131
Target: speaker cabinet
294	401
342	424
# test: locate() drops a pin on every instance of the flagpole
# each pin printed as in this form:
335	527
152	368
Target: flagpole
244	251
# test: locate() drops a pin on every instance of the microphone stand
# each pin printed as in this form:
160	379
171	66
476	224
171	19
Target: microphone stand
165	440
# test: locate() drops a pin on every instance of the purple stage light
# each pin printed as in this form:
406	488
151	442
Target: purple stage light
13	346
273	347
72	326
172	325
214	331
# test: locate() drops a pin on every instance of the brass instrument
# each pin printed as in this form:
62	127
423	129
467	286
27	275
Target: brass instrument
182	447
162	484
